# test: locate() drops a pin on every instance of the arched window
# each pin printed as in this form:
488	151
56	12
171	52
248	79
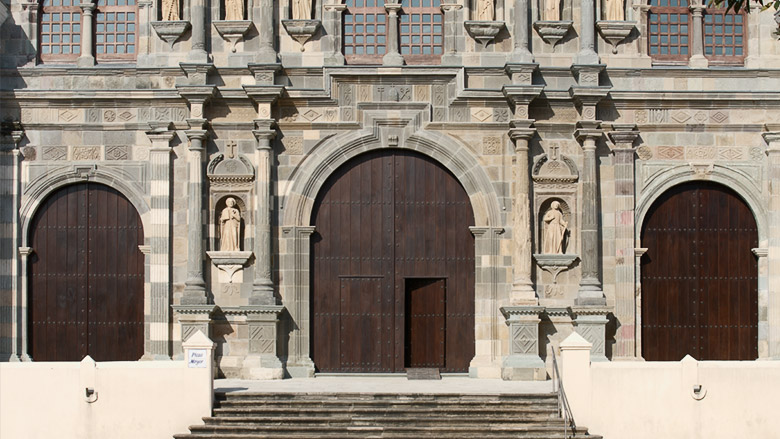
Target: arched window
60	31
116	22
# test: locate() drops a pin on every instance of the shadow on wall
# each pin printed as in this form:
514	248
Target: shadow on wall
16	50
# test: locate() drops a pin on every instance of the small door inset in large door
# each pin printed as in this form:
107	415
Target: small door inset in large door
425	323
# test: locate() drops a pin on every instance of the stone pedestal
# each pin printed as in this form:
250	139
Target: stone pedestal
523	362
194	318
590	322
262	363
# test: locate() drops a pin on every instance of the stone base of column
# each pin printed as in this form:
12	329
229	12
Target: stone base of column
590	322
334	59
698	62
85	61
262	363
300	367
393	59
521	57
193	318
523	362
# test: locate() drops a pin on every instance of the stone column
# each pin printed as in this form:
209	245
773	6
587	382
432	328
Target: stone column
157	319
10	327
773	258
587	53
332	24
24	256
697	59
87	59
590	322
523	362
195	286
198	17
299	363
521	54
262	287
523	292
590	292
263	17
452	33
392	57
638	252
623	137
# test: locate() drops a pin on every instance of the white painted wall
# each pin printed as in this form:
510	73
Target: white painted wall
655	399
154	399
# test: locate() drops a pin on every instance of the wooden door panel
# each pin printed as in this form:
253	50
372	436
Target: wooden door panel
86	277
425	323
400	210
361	333
699	277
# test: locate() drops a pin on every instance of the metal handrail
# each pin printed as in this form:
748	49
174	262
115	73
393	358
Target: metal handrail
564	410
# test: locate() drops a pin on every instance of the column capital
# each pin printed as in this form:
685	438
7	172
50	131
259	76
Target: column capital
265	131
87	7
197	123
588	130
623	136
25	251
392	7
161	134
450	7
772	139
196	138
197	94
334	7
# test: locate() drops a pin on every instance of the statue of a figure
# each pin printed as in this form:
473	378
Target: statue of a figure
485	10
552	11
230	226
234	9
613	10
301	9
170	10
554	230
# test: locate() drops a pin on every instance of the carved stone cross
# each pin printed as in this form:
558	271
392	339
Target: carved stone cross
230	147
554	152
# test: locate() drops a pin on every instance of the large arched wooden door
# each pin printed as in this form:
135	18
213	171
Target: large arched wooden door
86	276
392	267
699	276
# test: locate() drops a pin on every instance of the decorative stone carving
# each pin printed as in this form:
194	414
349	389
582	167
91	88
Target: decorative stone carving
170	31
552	31
232	30
229	261
86	153
230	168
615	31
301	30
484	31
230	227
554	167
555	230
523	361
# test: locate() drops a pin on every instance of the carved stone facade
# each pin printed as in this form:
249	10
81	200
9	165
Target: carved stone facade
530	119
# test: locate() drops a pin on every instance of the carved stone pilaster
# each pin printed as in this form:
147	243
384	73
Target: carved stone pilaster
587	53
697	60
262	363
392	57
772	139
523	362
193	318
521	54
87	58
590	322
195	286
332	25
451	34
263	287
523	292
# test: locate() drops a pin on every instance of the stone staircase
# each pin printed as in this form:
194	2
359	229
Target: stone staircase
335	415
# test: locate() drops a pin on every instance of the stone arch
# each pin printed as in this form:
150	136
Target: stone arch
331	153
39	189
739	181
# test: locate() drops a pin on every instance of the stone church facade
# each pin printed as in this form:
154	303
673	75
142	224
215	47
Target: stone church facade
569	135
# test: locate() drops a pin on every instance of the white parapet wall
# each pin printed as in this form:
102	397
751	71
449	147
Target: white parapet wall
685	399
144	399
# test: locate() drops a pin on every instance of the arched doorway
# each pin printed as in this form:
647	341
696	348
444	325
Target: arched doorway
699	276
392	269
86	276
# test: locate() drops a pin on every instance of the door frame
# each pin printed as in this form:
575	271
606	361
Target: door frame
746	187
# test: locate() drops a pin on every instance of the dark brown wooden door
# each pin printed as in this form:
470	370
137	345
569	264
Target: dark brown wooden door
425	322
86	277
699	276
381	219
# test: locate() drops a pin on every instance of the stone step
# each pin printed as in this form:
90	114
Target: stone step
546	431
349	419
385	403
324	397
382	434
386	411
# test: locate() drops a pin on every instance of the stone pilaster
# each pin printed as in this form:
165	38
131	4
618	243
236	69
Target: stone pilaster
157	319
392	57
452	34
198	52
262	363
195	286
590	322
638	253
773	257
520	53
299	363
332	25
193	318
697	59
587	53
87	58
623	138
523	292
24	257
262	287
10	164
590	292
263	17
523	362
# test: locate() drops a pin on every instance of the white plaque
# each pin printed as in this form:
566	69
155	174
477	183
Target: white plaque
196	358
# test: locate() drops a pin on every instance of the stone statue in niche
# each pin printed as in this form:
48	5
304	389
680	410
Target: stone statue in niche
485	10
170	10
613	10
230	227
301	9
551	11
234	10
554	231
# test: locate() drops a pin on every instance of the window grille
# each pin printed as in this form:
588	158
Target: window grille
421	31
724	36
60	30
365	30
115	29
669	30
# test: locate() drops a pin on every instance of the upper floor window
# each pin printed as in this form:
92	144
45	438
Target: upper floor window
115	29
671	33
60	30
420	31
